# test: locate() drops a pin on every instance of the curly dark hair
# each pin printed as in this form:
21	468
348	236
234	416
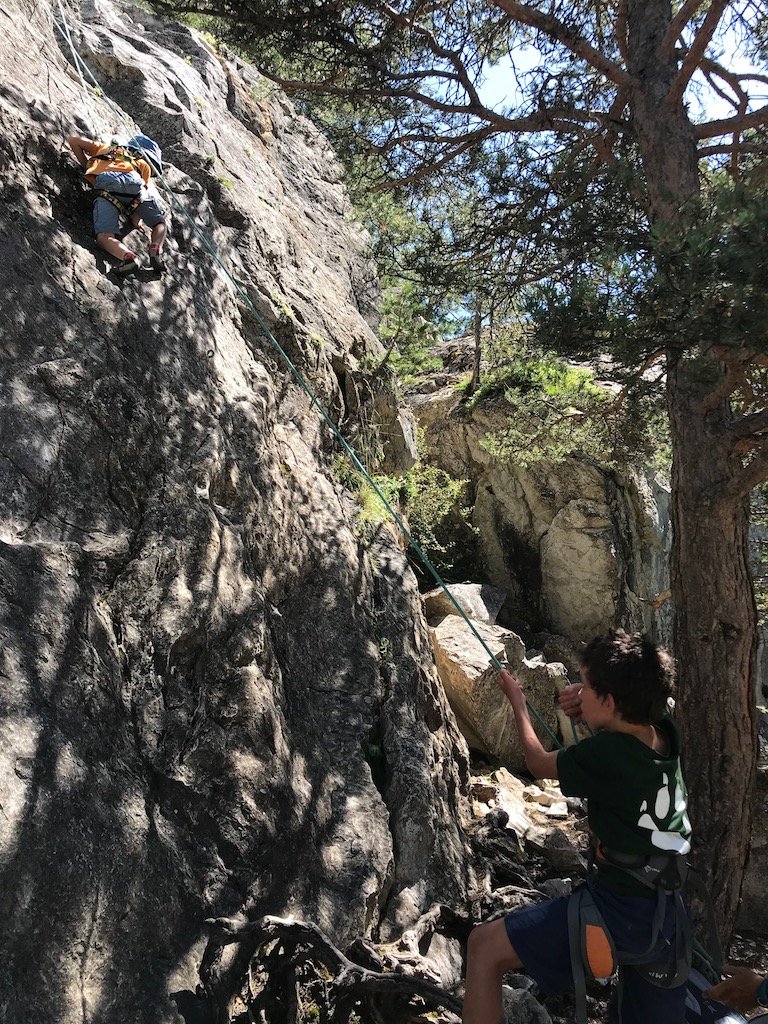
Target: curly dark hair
631	668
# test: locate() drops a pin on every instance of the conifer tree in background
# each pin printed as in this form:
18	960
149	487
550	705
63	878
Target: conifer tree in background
600	149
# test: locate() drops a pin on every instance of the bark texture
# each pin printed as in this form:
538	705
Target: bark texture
716	622
715	639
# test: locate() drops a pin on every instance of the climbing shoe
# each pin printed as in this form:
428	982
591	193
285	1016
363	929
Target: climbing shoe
156	260
127	265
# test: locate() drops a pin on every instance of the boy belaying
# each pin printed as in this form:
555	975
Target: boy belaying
631	907
120	175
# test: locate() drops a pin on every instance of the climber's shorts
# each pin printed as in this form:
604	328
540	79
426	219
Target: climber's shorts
106	216
539	935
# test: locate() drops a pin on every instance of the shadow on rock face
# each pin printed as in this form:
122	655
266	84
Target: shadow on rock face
191	1007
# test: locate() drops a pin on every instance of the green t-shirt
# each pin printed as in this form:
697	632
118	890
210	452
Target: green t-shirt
636	797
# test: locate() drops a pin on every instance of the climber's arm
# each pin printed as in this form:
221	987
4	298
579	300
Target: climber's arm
83	148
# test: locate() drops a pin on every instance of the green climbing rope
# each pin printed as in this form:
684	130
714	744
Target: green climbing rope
81	67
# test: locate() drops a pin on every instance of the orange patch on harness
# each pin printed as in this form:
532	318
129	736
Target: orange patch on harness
599	954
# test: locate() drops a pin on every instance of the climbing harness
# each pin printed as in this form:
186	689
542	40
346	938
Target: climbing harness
664	963
125	203
138	148
243	296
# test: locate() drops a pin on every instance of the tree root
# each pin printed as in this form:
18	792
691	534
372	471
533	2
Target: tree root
281	969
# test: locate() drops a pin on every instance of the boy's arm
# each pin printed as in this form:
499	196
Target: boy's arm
83	148
542	764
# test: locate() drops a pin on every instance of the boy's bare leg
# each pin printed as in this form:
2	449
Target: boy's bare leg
113	245
158	236
490	956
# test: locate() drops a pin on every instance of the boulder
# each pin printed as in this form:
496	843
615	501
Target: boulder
482	711
570	732
521	1007
578	547
510	797
559	648
560	852
579	570
547	801
480	601
397	432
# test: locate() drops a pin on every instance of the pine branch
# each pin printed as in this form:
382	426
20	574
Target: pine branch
754	473
750	425
729	125
696	52
525	14
621	29
732	149
453	58
676	26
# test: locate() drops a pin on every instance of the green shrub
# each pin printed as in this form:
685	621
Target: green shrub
432	502
559	410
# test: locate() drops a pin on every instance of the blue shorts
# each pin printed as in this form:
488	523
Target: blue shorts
539	935
106	216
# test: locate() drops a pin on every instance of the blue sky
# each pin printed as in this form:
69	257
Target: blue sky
499	88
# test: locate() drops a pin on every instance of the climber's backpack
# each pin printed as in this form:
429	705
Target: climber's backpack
663	963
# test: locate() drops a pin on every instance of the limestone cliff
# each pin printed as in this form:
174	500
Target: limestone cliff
213	698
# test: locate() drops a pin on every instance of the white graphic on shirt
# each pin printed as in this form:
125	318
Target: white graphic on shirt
669	795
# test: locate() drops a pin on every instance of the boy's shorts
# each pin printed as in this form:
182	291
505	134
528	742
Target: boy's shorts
539	935
106	216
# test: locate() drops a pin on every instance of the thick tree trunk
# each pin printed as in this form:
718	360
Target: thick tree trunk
715	631
711	585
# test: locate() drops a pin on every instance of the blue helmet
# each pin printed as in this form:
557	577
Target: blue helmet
148	149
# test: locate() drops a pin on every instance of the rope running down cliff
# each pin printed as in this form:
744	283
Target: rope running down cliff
81	66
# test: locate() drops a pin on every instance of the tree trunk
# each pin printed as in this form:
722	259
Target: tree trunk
475	382
715	639
716	621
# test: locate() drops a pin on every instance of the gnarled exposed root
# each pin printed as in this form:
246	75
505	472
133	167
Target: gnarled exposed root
279	969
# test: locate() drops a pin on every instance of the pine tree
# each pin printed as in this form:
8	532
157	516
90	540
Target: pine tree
603	120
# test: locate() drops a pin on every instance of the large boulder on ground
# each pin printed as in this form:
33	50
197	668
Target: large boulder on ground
578	547
470	680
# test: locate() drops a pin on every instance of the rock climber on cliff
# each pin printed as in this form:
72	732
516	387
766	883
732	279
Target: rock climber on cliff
120	176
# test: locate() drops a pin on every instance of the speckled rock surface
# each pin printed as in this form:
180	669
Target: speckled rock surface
577	547
214	698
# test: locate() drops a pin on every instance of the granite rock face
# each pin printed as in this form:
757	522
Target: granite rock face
577	547
213	699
